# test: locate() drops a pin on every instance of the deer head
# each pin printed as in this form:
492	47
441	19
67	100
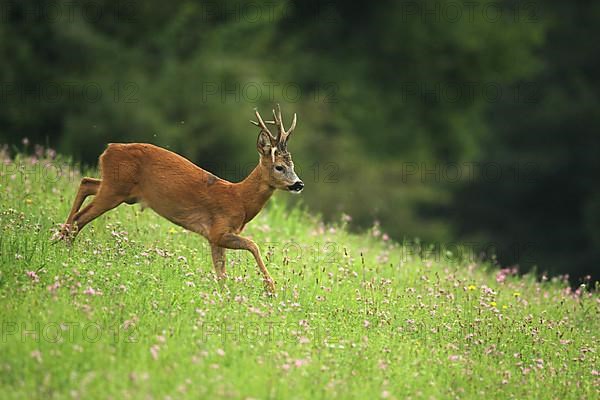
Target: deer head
275	158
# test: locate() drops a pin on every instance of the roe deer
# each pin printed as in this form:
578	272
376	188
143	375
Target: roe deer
189	196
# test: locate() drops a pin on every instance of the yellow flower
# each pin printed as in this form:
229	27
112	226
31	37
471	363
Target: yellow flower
472	287
28	201
172	230
493	304
516	294
504	307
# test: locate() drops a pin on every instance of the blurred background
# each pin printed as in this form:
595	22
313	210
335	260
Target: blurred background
437	122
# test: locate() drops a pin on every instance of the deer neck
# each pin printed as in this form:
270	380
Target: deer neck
255	191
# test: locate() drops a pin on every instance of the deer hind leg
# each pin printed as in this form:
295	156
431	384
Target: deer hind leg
104	201
218	257
88	187
233	241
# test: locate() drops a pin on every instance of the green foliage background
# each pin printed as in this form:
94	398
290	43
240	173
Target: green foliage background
372	84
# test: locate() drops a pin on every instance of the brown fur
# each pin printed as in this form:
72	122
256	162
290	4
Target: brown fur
184	194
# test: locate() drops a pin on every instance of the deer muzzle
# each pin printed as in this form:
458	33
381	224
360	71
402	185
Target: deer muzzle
296	187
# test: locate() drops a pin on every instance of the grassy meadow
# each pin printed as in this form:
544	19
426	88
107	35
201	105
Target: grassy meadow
133	311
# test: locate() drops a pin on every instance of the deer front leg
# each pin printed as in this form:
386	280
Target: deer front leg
233	241
218	257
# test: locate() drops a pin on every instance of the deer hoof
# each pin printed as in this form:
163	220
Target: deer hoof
270	287
66	234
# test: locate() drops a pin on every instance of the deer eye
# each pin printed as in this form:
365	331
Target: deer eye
279	168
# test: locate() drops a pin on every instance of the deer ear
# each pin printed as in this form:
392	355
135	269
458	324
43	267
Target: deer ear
263	143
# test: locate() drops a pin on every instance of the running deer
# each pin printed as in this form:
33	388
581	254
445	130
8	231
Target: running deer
189	196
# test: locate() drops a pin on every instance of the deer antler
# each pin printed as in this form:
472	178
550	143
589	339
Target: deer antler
282	134
263	126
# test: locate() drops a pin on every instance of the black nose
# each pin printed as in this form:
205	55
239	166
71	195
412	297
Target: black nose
296	187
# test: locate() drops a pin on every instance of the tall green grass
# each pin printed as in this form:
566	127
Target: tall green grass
133	310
